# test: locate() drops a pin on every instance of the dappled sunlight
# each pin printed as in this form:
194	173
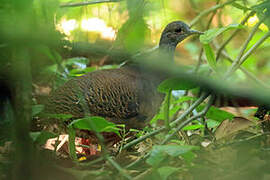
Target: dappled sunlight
66	26
99	26
252	21
94	25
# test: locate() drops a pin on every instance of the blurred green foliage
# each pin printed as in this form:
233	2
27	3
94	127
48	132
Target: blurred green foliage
32	36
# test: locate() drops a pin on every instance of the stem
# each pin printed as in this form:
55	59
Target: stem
119	168
257	44
186	122
167	109
172	124
233	35
183	124
247	73
236	64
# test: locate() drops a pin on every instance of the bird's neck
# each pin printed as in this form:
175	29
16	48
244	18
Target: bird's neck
168	49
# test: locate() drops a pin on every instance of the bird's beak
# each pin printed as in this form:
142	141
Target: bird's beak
195	32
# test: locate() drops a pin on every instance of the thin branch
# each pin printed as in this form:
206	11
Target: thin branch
87	164
86	3
236	64
167	110
183	124
207	11
183	115
257	44
233	35
248	74
186	122
118	167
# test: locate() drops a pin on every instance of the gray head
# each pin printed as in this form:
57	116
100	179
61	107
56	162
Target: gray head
174	33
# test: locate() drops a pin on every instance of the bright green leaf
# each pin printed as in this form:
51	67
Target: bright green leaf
95	123
217	114
210	34
184	99
212	123
80	72
210	56
193	127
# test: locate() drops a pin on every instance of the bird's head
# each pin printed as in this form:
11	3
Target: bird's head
175	32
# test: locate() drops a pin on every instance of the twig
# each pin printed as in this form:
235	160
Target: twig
233	35
247	73
207	11
183	124
86	3
172	124
186	122
167	110
236	64
119	168
257	44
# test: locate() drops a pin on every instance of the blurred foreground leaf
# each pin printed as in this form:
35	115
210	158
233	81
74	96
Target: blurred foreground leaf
36	109
160	152
166	171
41	137
175	84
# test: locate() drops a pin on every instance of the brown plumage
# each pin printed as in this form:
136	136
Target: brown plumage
126	95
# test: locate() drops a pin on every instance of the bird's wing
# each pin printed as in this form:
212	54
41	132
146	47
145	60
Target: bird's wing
111	93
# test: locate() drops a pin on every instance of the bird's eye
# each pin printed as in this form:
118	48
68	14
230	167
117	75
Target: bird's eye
178	30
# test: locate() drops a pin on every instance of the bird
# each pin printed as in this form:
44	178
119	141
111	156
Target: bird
127	95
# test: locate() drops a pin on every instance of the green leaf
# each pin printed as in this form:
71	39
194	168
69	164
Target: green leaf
175	84
210	34
95	123
212	123
189	156
41	137
166	171
160	115
210	56
217	114
160	152
193	127
36	109
80	72
133	33
184	99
